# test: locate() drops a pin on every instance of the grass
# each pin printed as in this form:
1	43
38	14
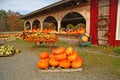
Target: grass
93	62
103	49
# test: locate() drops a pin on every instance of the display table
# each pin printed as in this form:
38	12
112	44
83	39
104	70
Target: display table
49	39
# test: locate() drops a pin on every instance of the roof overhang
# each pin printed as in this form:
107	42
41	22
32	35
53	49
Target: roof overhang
55	6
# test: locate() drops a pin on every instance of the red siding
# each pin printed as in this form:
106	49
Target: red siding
113	19
93	20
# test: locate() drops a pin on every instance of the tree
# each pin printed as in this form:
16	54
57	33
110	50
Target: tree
14	20
3	21
10	21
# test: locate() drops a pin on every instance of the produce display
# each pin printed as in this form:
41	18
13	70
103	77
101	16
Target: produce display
8	50
9	34
78	31
70	31
41	37
60	58
12	38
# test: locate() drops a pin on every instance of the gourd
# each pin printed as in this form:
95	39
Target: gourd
84	38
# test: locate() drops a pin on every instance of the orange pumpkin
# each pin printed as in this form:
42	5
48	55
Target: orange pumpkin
76	64
44	55
69	50
80	59
51	55
75	52
60	57
81	31
84	38
53	62
64	63
46	59
72	57
42	64
58	50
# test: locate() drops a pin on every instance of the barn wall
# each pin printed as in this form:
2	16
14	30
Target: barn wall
113	20
93	20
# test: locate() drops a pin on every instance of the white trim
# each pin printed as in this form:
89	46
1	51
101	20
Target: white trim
118	22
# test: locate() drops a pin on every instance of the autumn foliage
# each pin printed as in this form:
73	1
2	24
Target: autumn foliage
11	21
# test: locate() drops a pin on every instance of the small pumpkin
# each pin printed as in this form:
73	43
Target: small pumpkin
53	62
64	63
84	38
44	55
42	64
81	31
60	57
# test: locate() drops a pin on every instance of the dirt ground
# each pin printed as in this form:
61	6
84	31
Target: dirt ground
23	67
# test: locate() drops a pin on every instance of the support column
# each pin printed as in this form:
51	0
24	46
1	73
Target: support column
59	25
31	25
24	25
41	25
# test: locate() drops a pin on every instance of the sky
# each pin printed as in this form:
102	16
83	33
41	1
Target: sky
24	6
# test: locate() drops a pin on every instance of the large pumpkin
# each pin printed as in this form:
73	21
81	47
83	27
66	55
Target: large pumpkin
84	38
42	64
64	63
58	50
80	59
44	55
45	59
60	57
72	57
53	62
77	63
51	55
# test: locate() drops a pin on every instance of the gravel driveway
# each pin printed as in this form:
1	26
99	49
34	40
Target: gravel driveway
23	67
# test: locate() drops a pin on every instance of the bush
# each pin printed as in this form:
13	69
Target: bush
117	49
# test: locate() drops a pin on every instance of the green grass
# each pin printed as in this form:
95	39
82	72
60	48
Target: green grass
103	49
93	62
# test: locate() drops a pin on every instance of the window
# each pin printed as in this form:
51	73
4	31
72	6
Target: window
118	22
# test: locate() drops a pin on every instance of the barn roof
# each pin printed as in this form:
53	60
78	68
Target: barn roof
55	6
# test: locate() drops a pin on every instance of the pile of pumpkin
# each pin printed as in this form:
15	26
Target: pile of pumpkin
41	37
78	31
33	30
60	58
